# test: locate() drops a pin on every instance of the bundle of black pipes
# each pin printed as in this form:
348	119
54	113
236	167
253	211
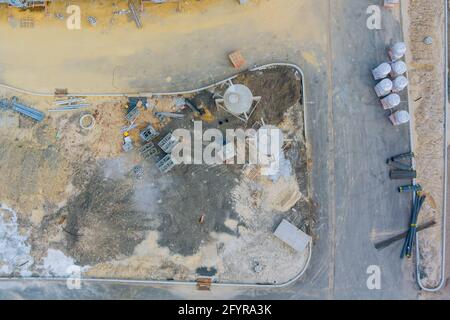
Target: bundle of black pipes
418	200
402	174
402	170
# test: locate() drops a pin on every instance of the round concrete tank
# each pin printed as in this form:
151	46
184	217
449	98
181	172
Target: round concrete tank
238	99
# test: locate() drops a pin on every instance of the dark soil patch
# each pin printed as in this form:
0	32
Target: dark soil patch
279	89
101	223
206	272
197	191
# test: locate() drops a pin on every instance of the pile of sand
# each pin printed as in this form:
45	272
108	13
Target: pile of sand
256	200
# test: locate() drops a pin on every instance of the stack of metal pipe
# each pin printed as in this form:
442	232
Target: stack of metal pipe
418	201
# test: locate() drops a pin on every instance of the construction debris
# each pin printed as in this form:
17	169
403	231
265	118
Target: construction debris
258	267
136	102
383	88
402	174
127	143
4	104
237	59
400	117
204	284
132	114
87	121
60	92
92	21
292	236
22	109
70	107
401	170
428	40
135	14
194	107
24	4
399	84
149	151
403	156
385	243
168	143
398	68
69	101
27	23
165	164
410	188
409	243
122	12
391	3
73	103
400	165
397	51
387	89
162	115
391	101
128	128
138	172
149	133
382	71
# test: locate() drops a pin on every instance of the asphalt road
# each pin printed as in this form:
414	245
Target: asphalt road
365	200
350	138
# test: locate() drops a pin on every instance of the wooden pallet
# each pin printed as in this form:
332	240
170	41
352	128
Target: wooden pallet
204	284
237	59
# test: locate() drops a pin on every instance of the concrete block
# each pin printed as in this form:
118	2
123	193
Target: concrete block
292	236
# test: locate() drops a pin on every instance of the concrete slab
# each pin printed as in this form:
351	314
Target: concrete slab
292	236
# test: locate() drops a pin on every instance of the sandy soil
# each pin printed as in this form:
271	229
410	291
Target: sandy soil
203	34
426	75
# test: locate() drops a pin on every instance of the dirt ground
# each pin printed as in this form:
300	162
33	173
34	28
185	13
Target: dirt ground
77	201
426	75
153	64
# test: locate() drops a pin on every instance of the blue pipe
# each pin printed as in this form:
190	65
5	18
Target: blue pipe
27	111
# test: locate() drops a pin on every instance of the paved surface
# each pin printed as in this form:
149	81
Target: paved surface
366	202
350	139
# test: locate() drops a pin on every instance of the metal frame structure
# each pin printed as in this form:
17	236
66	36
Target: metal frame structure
256	100
149	133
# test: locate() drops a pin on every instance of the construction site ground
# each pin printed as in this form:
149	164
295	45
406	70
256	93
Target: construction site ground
347	133
77	196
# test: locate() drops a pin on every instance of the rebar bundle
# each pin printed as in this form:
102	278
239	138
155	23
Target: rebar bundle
418	201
